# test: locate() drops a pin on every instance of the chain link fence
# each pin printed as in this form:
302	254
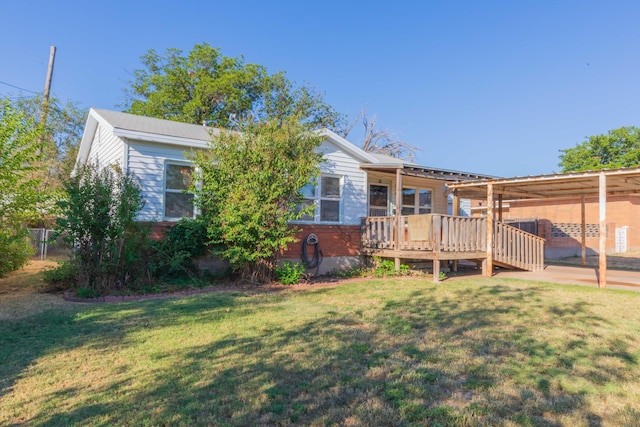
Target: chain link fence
47	244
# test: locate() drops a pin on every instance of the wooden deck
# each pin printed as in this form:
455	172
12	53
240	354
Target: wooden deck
442	237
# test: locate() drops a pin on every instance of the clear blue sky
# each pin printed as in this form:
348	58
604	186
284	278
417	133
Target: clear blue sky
495	87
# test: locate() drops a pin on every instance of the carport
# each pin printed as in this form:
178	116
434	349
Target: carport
579	184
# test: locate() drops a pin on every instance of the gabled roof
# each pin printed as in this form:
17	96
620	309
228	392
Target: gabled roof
124	123
149	129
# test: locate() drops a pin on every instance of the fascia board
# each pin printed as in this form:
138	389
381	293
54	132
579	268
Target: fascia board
163	139
348	147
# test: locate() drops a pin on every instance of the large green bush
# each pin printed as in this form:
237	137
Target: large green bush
98	219
182	243
250	191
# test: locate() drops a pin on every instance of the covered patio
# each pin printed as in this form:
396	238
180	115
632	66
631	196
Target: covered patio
622	181
410	219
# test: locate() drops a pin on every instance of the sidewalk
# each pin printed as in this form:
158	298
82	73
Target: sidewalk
616	279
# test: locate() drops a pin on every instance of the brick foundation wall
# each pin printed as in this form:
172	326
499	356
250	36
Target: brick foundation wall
334	240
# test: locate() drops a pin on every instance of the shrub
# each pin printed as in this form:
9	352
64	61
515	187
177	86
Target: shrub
98	219
62	277
290	273
15	250
182	243
250	191
386	267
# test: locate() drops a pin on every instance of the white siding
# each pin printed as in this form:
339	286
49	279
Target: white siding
106	149
146	161
354	196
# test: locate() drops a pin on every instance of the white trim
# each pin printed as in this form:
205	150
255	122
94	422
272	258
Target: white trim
164	188
416	197
380	184
164	139
347	146
317	201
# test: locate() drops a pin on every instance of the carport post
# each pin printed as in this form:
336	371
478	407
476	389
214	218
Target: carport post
399	228
602	265
489	261
583	245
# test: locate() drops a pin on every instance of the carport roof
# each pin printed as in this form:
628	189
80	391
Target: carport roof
618	181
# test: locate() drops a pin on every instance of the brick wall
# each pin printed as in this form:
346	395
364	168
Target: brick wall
621	211
334	240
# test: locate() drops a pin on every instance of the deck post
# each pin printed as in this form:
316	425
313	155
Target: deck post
500	207
583	244
489	261
602	265
455	211
398	212
455	208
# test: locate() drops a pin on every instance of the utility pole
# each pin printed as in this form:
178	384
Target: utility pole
47	87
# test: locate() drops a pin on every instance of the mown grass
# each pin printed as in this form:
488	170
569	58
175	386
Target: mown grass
377	352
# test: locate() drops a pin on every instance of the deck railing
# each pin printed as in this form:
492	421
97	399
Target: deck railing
517	248
444	233
433	232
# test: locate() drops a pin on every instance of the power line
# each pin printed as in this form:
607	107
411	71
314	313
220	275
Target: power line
20	88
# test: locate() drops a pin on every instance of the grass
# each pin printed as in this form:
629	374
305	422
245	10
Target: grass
377	352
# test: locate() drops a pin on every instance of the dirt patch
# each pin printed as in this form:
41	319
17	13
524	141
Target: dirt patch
27	280
21	292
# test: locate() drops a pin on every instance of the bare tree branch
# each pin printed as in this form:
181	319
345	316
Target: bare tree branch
380	141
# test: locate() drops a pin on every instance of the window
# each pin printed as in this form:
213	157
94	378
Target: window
378	200
327	195
416	201
178	203
329	198
308	199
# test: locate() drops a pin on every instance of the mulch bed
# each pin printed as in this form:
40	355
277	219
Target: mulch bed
272	287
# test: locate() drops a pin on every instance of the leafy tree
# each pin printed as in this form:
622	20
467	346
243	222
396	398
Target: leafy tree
98	219
380	141
19	195
250	191
208	87
616	149
57	145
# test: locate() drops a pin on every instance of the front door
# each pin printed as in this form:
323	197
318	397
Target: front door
378	200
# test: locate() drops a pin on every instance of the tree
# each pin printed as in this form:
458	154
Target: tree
250	191
19	195
380	141
98	219
207	87
58	144
616	149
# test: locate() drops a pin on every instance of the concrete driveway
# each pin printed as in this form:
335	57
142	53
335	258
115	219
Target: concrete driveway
616	279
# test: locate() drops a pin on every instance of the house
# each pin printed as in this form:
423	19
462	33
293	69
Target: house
354	185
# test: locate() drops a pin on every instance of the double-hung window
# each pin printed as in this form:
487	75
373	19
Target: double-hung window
416	201
178	202
330	197
326	196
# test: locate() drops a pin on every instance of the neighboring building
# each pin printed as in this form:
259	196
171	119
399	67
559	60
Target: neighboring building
353	184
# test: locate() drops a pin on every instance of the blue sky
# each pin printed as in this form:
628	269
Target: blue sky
495	87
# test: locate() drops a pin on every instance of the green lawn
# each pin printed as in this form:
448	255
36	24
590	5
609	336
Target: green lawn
378	352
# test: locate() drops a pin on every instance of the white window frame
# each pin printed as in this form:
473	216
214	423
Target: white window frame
416	201
166	190
318	199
